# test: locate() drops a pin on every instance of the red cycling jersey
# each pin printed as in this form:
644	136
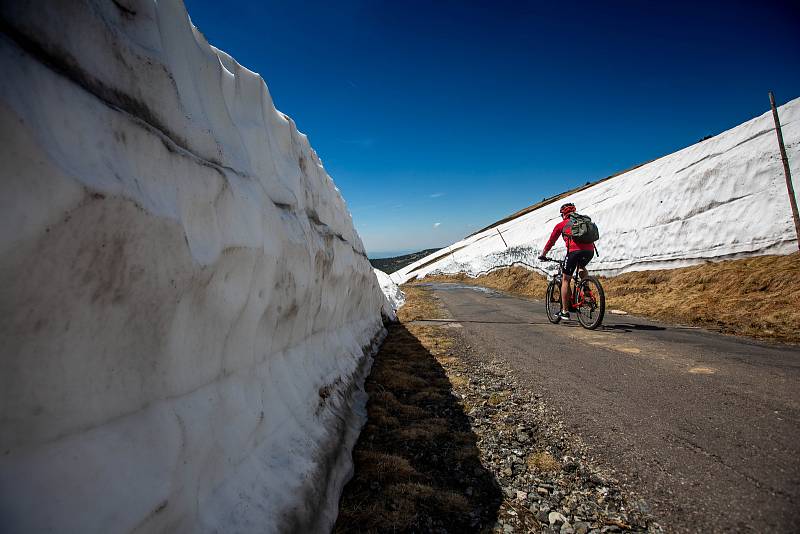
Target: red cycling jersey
566	231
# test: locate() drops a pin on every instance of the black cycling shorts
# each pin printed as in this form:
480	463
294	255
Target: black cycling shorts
577	258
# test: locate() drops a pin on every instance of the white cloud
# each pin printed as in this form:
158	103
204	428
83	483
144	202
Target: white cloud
436	225
436	195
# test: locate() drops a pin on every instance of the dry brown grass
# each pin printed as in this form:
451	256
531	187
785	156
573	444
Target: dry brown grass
381	416
756	297
459	381
498	398
425	433
417	456
543	461
419	305
401	380
427	496
427	396
385	400
384	467
467	453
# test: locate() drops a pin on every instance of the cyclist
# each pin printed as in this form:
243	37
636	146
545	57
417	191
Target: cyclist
578	255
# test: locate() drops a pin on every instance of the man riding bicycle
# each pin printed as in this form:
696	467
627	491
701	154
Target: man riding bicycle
578	255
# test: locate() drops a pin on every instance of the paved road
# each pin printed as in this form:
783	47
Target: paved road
706	427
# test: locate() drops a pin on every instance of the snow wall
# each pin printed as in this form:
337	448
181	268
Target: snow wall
722	198
186	312
394	295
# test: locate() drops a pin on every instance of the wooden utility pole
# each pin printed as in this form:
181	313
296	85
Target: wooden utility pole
501	236
786	171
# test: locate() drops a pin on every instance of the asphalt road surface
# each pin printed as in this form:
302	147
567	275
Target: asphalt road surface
705	427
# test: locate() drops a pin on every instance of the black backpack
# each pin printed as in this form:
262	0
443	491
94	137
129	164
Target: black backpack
583	229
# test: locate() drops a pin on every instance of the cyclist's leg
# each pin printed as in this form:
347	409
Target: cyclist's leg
583	261
569	268
566	299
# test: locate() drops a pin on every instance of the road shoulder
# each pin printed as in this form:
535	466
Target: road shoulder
532	475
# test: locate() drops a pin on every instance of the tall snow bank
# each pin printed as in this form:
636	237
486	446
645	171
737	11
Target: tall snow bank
394	296
721	198
186	311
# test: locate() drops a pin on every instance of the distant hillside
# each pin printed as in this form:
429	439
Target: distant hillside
390	265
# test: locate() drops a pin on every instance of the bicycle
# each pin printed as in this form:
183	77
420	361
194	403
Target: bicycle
588	298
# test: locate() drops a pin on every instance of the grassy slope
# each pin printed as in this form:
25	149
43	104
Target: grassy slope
757	297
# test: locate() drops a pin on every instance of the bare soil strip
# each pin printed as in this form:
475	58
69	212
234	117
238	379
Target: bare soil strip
757	297
452	444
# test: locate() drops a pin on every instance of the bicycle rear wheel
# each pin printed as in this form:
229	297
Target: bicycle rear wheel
552	301
590	303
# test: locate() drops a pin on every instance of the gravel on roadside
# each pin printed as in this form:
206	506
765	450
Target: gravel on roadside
549	481
539	477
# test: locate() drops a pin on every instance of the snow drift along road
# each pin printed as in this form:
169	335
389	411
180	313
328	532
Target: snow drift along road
185	307
718	199
393	293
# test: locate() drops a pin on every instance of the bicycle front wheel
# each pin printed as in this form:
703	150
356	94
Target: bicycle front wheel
552	301
590	303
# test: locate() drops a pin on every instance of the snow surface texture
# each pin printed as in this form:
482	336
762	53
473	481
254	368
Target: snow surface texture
186	312
721	198
394	296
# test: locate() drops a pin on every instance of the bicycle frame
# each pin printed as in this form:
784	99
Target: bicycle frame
577	295
588	304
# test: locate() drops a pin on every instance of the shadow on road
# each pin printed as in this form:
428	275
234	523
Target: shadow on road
417	465
630	327
609	328
446	321
620	327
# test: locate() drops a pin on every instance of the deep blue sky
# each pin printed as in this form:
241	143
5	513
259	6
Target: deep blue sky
459	113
